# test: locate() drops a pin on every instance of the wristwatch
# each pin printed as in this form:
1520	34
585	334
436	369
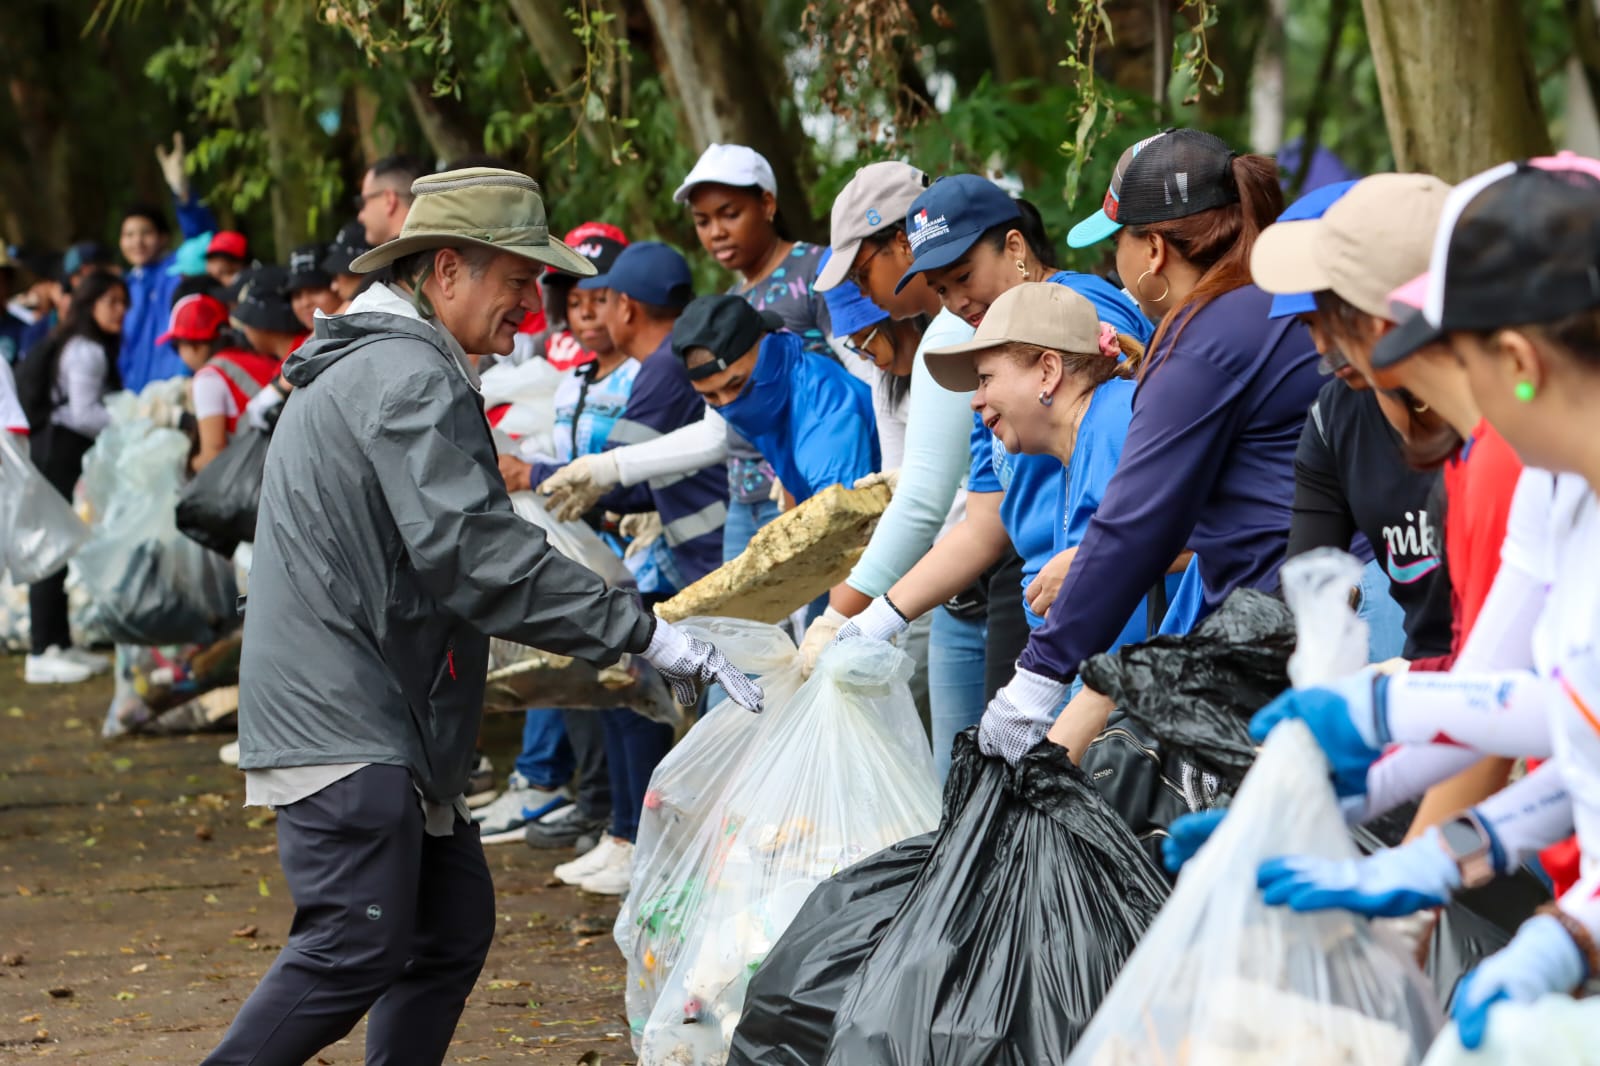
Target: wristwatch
1466	840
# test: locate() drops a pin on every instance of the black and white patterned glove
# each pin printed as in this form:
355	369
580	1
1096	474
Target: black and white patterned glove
1019	716
689	665
881	620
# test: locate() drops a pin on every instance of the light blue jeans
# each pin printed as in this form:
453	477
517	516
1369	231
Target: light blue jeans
742	522
955	681
1386	619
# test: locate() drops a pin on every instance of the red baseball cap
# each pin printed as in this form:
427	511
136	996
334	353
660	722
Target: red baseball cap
196	317
230	243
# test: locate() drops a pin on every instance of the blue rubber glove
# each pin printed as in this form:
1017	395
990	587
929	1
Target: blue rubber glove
1188	833
1347	718
1389	884
1540	959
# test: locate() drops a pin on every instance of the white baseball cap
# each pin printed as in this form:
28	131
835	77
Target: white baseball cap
729	164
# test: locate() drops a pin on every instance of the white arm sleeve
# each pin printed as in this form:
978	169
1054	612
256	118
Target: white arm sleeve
1530	814
683	451
1495	713
937	455
211	394
1502	637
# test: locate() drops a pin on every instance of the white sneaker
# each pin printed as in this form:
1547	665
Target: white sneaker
591	862
612	878
229	753
96	662
507	818
54	667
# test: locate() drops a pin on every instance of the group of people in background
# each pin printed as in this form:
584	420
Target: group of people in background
1389	365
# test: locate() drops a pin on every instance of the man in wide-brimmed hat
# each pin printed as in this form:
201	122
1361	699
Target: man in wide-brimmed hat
386	555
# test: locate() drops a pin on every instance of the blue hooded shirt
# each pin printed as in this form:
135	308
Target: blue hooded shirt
808	416
140	360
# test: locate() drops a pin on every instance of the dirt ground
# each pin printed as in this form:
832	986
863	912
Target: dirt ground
140	902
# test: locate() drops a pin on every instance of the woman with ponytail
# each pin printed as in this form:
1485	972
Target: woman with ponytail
1208	463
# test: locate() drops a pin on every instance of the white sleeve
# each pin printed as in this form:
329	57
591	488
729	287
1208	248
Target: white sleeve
211	394
12	417
82	374
1493	713
683	451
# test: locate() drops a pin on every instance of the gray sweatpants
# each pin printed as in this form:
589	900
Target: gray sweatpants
389	922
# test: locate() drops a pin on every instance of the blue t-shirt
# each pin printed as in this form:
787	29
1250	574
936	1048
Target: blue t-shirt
1208	463
1033	484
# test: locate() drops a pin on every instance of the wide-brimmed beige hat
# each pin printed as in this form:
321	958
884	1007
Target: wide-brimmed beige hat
1374	238
481	206
1035	312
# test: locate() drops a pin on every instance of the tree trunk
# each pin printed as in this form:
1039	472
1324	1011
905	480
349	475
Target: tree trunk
290	193
715	54
446	127
550	33
1017	42
1267	83
1457	83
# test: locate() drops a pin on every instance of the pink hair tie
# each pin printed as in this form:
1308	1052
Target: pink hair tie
1110	347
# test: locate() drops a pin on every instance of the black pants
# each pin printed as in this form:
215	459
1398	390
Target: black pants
1008	625
591	780
389	923
58	453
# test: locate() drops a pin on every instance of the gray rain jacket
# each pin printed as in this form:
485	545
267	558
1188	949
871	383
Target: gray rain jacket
387	553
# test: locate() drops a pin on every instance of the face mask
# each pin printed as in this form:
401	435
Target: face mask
766	396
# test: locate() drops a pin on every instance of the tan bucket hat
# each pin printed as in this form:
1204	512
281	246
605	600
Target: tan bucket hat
1035	312
1374	238
481	206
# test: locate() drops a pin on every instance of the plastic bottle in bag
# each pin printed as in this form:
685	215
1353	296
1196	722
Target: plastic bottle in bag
1221	978
834	773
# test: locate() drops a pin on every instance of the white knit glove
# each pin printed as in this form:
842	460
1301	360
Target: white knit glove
881	620
890	478
689	665
573	490
1020	715
819	635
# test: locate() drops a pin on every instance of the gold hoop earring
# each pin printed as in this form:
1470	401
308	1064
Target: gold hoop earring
1022	270
1138	289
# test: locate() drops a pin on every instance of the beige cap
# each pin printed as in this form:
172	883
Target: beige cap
878	196
1035	312
481	206
1374	238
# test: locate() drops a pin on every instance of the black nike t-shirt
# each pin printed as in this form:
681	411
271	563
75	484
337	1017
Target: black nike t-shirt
1351	476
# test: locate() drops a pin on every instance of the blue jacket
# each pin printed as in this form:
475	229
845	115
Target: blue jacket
150	288
693	508
809	417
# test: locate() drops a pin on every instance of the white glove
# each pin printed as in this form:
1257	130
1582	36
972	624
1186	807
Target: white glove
172	168
261	405
775	494
573	490
819	635
641	531
891	478
881	620
1019	716
689	665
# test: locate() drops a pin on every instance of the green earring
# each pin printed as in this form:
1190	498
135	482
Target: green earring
1525	391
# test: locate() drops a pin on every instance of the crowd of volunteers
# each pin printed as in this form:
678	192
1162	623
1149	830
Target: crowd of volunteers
1079	462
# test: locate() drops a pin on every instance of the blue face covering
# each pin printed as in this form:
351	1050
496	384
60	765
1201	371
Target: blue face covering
764	403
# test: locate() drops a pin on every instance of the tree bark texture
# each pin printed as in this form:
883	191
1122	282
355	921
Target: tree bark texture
715	54
1457	83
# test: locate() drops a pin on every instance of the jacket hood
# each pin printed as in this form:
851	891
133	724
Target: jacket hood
379	313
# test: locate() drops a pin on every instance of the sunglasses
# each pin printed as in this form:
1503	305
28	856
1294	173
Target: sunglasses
360	199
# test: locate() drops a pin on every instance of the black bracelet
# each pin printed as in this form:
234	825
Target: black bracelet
901	614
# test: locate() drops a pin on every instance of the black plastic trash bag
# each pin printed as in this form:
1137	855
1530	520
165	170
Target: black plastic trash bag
1477	923
790	1006
1194	694
218	507
171	592
1019	921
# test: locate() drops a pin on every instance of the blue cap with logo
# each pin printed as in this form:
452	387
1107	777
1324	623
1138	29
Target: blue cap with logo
1313	204
650	272
949	217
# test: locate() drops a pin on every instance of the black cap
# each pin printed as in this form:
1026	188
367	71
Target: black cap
305	269
350	243
1174	174
1517	244
726	326
262	300
83	254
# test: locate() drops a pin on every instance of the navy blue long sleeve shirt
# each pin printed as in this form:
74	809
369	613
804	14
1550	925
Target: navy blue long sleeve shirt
1208	464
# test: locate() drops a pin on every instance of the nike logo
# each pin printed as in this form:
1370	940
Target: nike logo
1411	572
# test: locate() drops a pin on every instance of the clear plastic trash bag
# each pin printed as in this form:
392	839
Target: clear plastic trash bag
1221	977
747	816
39	532
530	389
575	540
1555	1029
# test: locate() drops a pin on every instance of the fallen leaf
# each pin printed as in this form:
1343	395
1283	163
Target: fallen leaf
261	887
211	897
12	958
61	992
141	968
124	996
72	723
90	842
15	712
248	932
589	1058
29	1018
202	832
23	891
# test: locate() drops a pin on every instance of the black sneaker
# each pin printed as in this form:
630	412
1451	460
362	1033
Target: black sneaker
480	786
563	827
